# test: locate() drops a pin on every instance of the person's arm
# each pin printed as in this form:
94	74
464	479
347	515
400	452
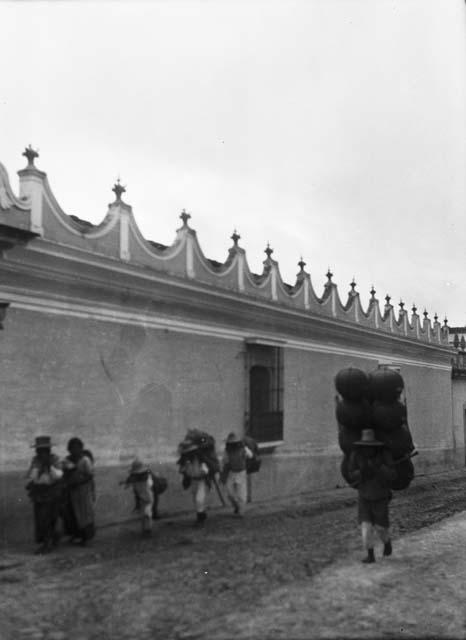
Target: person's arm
354	471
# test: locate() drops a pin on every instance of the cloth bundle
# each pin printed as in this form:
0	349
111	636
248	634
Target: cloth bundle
374	402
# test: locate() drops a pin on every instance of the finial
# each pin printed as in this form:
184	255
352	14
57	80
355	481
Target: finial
185	217
445	321
301	264
31	154
268	250
387	299
414	309
329	275
118	190
463	344
401	304
352	285
235	237
435	317
372	292
425	313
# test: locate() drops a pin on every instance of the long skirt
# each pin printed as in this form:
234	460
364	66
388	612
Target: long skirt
78	512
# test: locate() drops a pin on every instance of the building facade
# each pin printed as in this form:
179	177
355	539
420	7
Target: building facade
127	343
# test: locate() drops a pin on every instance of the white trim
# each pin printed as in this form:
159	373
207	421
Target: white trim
106	314
268	445
98	233
268	342
204	262
306	294
145	245
31	186
135	271
241	272
274	283
124	238
190	257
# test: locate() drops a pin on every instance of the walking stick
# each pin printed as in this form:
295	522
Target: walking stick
404	458
219	493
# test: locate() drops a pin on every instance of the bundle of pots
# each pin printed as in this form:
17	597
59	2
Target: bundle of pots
372	401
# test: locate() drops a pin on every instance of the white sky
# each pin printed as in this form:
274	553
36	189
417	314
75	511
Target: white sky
335	129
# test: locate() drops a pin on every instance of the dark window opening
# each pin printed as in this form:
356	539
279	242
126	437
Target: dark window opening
265	391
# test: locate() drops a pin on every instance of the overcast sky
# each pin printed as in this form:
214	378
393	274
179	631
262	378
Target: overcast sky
334	129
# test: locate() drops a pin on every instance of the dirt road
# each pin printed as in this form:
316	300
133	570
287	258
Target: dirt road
286	570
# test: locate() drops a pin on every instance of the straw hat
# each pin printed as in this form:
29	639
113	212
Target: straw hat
232	438
43	442
137	466
368	439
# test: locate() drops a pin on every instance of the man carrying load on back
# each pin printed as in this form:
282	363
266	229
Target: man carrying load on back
234	471
371	471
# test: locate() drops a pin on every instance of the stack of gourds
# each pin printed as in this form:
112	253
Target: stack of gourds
373	401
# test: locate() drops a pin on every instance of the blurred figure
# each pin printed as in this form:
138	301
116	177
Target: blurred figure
234	474
45	489
195	474
78	512
141	480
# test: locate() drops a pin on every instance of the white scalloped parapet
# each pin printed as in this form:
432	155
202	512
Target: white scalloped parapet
8	200
118	237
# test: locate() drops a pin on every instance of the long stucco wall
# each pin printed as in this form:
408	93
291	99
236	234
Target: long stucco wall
128	390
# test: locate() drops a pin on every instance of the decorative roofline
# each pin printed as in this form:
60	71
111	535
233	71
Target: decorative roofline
118	237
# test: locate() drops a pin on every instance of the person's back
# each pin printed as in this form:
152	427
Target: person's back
373	472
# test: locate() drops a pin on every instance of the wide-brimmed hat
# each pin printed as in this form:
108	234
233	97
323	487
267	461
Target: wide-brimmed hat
43	442
232	438
138	466
368	439
188	447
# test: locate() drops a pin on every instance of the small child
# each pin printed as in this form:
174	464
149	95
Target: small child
234	474
140	479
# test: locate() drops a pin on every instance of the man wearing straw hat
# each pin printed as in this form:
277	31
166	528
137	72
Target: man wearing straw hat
45	490
371	471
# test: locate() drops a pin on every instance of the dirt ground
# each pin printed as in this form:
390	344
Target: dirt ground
286	570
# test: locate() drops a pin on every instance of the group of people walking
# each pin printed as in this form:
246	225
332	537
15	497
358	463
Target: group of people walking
61	489
64	489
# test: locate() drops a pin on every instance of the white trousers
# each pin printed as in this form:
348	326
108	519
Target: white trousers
237	488
199	491
145	512
369	532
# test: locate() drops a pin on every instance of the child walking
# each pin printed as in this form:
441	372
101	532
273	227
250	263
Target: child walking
371	471
140	479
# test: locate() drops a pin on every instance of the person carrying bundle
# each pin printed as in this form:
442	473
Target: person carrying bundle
196	476
234	473
371	471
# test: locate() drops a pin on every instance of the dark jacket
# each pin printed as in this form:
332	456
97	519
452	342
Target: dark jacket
372	476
